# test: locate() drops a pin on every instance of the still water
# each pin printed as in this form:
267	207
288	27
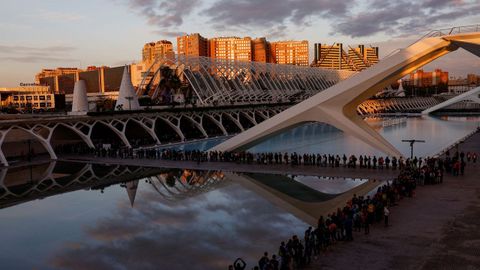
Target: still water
81	216
438	132
168	219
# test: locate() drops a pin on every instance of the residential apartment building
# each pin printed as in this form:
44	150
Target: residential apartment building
291	52
231	48
335	57
152	50
261	50
420	78
192	45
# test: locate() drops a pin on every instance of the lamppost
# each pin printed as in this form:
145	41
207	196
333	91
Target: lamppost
411	145
129	102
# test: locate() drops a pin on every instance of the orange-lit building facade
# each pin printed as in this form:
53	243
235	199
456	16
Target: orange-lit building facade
45	73
244	49
231	48
261	50
420	78
335	56
153	50
291	52
192	45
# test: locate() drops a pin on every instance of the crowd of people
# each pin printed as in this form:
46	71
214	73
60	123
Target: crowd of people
455	163
358	215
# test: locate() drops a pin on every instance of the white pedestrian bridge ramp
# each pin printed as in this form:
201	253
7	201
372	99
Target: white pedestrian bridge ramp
338	104
471	95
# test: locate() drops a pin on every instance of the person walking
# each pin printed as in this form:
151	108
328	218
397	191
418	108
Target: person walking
386	214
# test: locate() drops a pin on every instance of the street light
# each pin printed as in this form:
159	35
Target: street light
411	145
129	102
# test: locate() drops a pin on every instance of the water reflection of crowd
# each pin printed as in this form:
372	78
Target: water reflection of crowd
360	213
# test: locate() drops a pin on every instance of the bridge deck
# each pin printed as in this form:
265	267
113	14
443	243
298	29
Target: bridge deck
340	172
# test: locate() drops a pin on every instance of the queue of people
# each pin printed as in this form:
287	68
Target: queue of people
455	163
359	215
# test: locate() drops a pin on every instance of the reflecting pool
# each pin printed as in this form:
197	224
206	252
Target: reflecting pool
81	216
438	132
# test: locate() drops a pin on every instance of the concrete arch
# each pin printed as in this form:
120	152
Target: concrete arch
46	144
148	131
194	123
250	117
172	125
216	122
120	134
84	137
234	120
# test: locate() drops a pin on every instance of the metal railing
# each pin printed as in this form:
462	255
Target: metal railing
442	32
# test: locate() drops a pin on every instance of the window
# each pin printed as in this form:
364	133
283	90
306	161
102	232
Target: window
49	104
42	104
29	97
42	98
22	98
35	97
15	98
49	97
35	104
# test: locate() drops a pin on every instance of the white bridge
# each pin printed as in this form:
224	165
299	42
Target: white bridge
471	95
338	104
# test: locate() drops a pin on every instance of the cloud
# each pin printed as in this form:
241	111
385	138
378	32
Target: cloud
279	18
171	34
29	54
164	14
204	232
267	13
26	49
403	17
36	59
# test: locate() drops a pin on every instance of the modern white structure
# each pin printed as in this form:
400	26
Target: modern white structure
338	104
80	100
471	95
127	98
217	81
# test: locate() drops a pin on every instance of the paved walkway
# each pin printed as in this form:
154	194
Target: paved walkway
437	229
363	173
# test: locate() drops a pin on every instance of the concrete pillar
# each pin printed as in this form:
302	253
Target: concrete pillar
80	100
102	80
127	98
57	88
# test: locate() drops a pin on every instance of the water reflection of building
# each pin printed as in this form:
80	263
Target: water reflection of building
23	184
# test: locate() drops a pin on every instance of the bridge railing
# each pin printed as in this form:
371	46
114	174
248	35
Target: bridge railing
440	33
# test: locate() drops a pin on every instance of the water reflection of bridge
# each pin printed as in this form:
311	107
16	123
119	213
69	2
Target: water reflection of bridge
23	184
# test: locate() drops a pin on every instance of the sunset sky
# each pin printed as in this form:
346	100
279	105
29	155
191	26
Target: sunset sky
50	33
